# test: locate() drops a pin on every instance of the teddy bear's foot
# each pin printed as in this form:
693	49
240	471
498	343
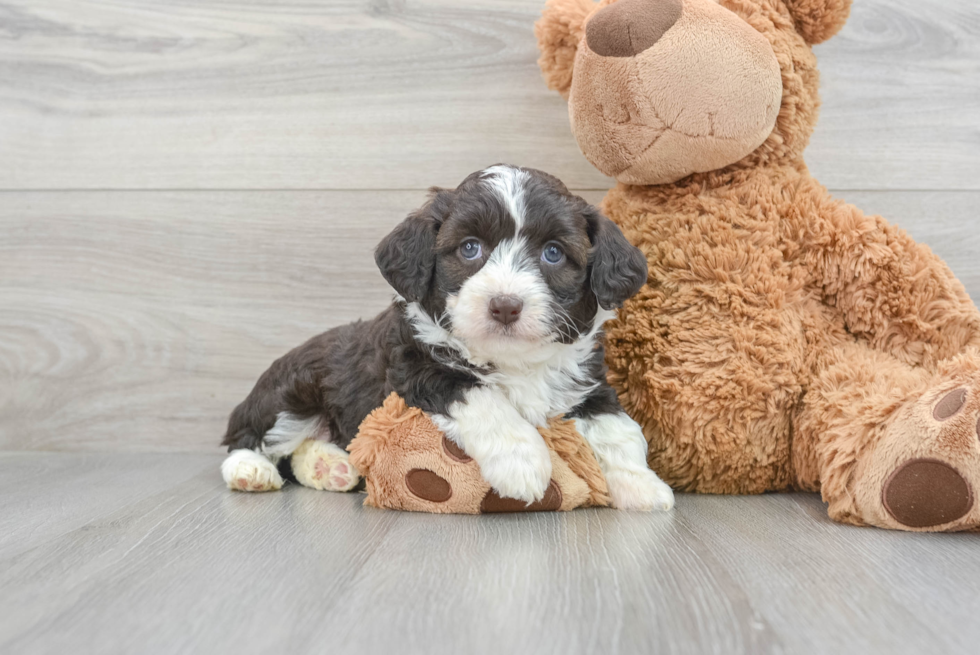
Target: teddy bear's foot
639	490
246	470
924	472
325	466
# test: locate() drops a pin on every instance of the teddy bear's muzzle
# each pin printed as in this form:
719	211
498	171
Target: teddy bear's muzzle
666	88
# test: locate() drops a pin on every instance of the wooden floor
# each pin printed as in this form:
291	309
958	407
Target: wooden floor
130	553
188	188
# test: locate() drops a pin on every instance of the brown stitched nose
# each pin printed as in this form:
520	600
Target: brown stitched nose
628	27
506	309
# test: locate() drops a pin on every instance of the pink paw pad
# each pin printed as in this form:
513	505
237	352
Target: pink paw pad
320	469
336	475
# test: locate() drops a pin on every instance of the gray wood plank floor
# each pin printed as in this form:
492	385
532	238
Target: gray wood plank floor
163	559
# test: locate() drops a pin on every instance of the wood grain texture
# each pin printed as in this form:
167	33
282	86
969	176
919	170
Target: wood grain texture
137	320
194	567
246	94
901	99
105	484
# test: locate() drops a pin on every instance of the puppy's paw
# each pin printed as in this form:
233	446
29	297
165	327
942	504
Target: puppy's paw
246	470
523	473
325	466
639	490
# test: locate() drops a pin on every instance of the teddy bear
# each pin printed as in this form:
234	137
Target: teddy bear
784	339
408	464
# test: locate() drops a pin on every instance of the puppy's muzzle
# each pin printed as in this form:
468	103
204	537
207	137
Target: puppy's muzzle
506	309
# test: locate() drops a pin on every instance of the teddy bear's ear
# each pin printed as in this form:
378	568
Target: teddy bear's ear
559	31
818	20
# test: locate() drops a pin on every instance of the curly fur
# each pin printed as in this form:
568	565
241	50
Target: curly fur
785	339
818	20
559	31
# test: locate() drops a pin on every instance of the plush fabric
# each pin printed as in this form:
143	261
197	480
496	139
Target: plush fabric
408	464
785	339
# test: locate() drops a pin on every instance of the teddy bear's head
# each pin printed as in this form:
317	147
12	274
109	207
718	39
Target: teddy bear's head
660	89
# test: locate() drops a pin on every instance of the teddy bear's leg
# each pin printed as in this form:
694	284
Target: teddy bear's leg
323	465
891	445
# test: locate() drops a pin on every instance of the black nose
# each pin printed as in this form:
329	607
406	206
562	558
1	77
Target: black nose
506	309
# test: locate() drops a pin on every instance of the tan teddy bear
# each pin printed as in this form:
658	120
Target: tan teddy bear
408	464
785	340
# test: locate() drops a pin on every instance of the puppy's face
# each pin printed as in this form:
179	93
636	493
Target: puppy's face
510	261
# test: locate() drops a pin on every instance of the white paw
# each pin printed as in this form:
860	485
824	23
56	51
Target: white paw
523	473
640	490
246	470
325	466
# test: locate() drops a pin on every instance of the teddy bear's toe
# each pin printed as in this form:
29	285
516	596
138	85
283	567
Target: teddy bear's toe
950	405
926	493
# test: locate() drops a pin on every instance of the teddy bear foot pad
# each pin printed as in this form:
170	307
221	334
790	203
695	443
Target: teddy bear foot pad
930	461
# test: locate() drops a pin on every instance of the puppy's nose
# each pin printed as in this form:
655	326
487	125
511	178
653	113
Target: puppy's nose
628	27
506	309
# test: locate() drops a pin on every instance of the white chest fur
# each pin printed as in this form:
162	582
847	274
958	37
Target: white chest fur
545	390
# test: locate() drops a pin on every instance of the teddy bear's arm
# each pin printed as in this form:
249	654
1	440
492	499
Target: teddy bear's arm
893	292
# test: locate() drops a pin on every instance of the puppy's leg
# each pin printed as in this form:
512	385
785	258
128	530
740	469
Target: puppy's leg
621	449
255	470
246	470
322	465
511	453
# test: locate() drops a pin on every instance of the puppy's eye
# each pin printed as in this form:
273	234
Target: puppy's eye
470	249
552	253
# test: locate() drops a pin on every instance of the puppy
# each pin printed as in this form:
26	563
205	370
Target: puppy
503	286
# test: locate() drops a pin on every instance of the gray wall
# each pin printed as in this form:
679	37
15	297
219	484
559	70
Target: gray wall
189	189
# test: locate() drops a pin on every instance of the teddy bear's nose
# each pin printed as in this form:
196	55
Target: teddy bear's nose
628	27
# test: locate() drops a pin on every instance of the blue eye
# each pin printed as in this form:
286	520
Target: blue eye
470	249
552	254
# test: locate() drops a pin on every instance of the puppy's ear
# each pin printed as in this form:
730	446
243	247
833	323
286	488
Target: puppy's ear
559	31
618	268
818	20
407	255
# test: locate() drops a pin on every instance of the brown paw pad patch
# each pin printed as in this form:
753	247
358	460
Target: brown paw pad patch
924	493
428	486
950	405
493	504
454	452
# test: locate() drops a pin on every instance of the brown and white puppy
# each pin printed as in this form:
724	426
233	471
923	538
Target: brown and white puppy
504	284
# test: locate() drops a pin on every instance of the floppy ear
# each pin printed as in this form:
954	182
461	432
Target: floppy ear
407	255
818	20
559	31
619	269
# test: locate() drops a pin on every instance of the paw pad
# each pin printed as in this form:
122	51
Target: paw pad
454	452
428	486
950	405
924	493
